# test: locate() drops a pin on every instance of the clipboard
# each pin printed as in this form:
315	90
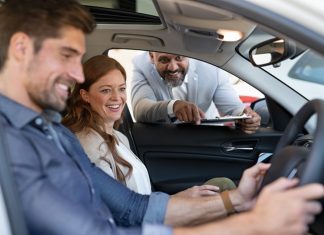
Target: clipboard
225	119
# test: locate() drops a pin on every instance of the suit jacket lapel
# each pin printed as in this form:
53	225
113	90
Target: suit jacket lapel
192	83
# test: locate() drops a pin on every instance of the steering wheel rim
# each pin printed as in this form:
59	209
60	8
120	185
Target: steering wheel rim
310	164
315	159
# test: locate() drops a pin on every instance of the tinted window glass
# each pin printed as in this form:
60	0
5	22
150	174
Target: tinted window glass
309	68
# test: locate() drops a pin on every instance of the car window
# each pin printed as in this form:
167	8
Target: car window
310	67
303	73
246	92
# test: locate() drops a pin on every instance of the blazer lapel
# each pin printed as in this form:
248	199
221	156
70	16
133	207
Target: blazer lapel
192	83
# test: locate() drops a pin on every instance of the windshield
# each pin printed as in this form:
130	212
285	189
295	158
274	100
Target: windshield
305	74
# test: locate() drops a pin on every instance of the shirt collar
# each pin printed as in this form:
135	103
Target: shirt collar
19	115
185	79
52	116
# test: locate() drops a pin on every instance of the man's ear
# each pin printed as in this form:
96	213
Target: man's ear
20	45
151	57
84	95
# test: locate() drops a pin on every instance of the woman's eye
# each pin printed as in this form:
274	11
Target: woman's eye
105	91
123	89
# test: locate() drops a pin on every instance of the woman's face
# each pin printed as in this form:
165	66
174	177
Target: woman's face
107	96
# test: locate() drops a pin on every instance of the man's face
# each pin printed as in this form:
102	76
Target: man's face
54	69
172	68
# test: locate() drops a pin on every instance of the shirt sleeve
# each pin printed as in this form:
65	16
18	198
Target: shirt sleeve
170	108
136	208
37	192
147	106
225	97
150	229
156	208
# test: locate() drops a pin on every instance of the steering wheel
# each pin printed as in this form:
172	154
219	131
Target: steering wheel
291	161
297	161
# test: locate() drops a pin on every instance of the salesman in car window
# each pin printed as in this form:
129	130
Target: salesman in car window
167	86
61	191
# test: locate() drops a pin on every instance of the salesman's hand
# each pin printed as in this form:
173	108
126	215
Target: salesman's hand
187	112
250	125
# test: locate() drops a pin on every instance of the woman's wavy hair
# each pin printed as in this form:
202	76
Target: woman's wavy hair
81	117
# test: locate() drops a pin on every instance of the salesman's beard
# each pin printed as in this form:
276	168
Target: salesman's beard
174	78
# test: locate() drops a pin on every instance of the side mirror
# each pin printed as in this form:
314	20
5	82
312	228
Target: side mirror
271	52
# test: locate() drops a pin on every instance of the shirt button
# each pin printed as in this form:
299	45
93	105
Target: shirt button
111	221
39	121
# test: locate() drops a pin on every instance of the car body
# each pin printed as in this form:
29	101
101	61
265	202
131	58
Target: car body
178	156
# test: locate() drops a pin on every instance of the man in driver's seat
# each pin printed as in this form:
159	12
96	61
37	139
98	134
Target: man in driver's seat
42	45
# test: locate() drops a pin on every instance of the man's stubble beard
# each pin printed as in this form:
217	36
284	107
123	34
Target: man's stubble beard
44	96
175	82
46	100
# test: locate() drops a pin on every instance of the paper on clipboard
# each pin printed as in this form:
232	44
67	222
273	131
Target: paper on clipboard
225	119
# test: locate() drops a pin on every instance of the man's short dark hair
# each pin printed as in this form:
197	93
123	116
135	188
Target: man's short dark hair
40	19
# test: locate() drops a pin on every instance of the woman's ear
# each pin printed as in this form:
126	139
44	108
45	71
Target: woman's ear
84	95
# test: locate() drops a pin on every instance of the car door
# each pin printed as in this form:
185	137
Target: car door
179	156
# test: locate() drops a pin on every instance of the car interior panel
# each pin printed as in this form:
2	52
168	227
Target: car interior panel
211	151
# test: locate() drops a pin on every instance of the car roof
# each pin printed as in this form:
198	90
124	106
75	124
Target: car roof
181	22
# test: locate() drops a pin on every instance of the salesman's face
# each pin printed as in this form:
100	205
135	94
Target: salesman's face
172	68
54	69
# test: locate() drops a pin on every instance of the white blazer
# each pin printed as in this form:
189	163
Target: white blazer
97	151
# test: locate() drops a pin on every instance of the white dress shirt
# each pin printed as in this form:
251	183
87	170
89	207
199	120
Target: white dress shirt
180	93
